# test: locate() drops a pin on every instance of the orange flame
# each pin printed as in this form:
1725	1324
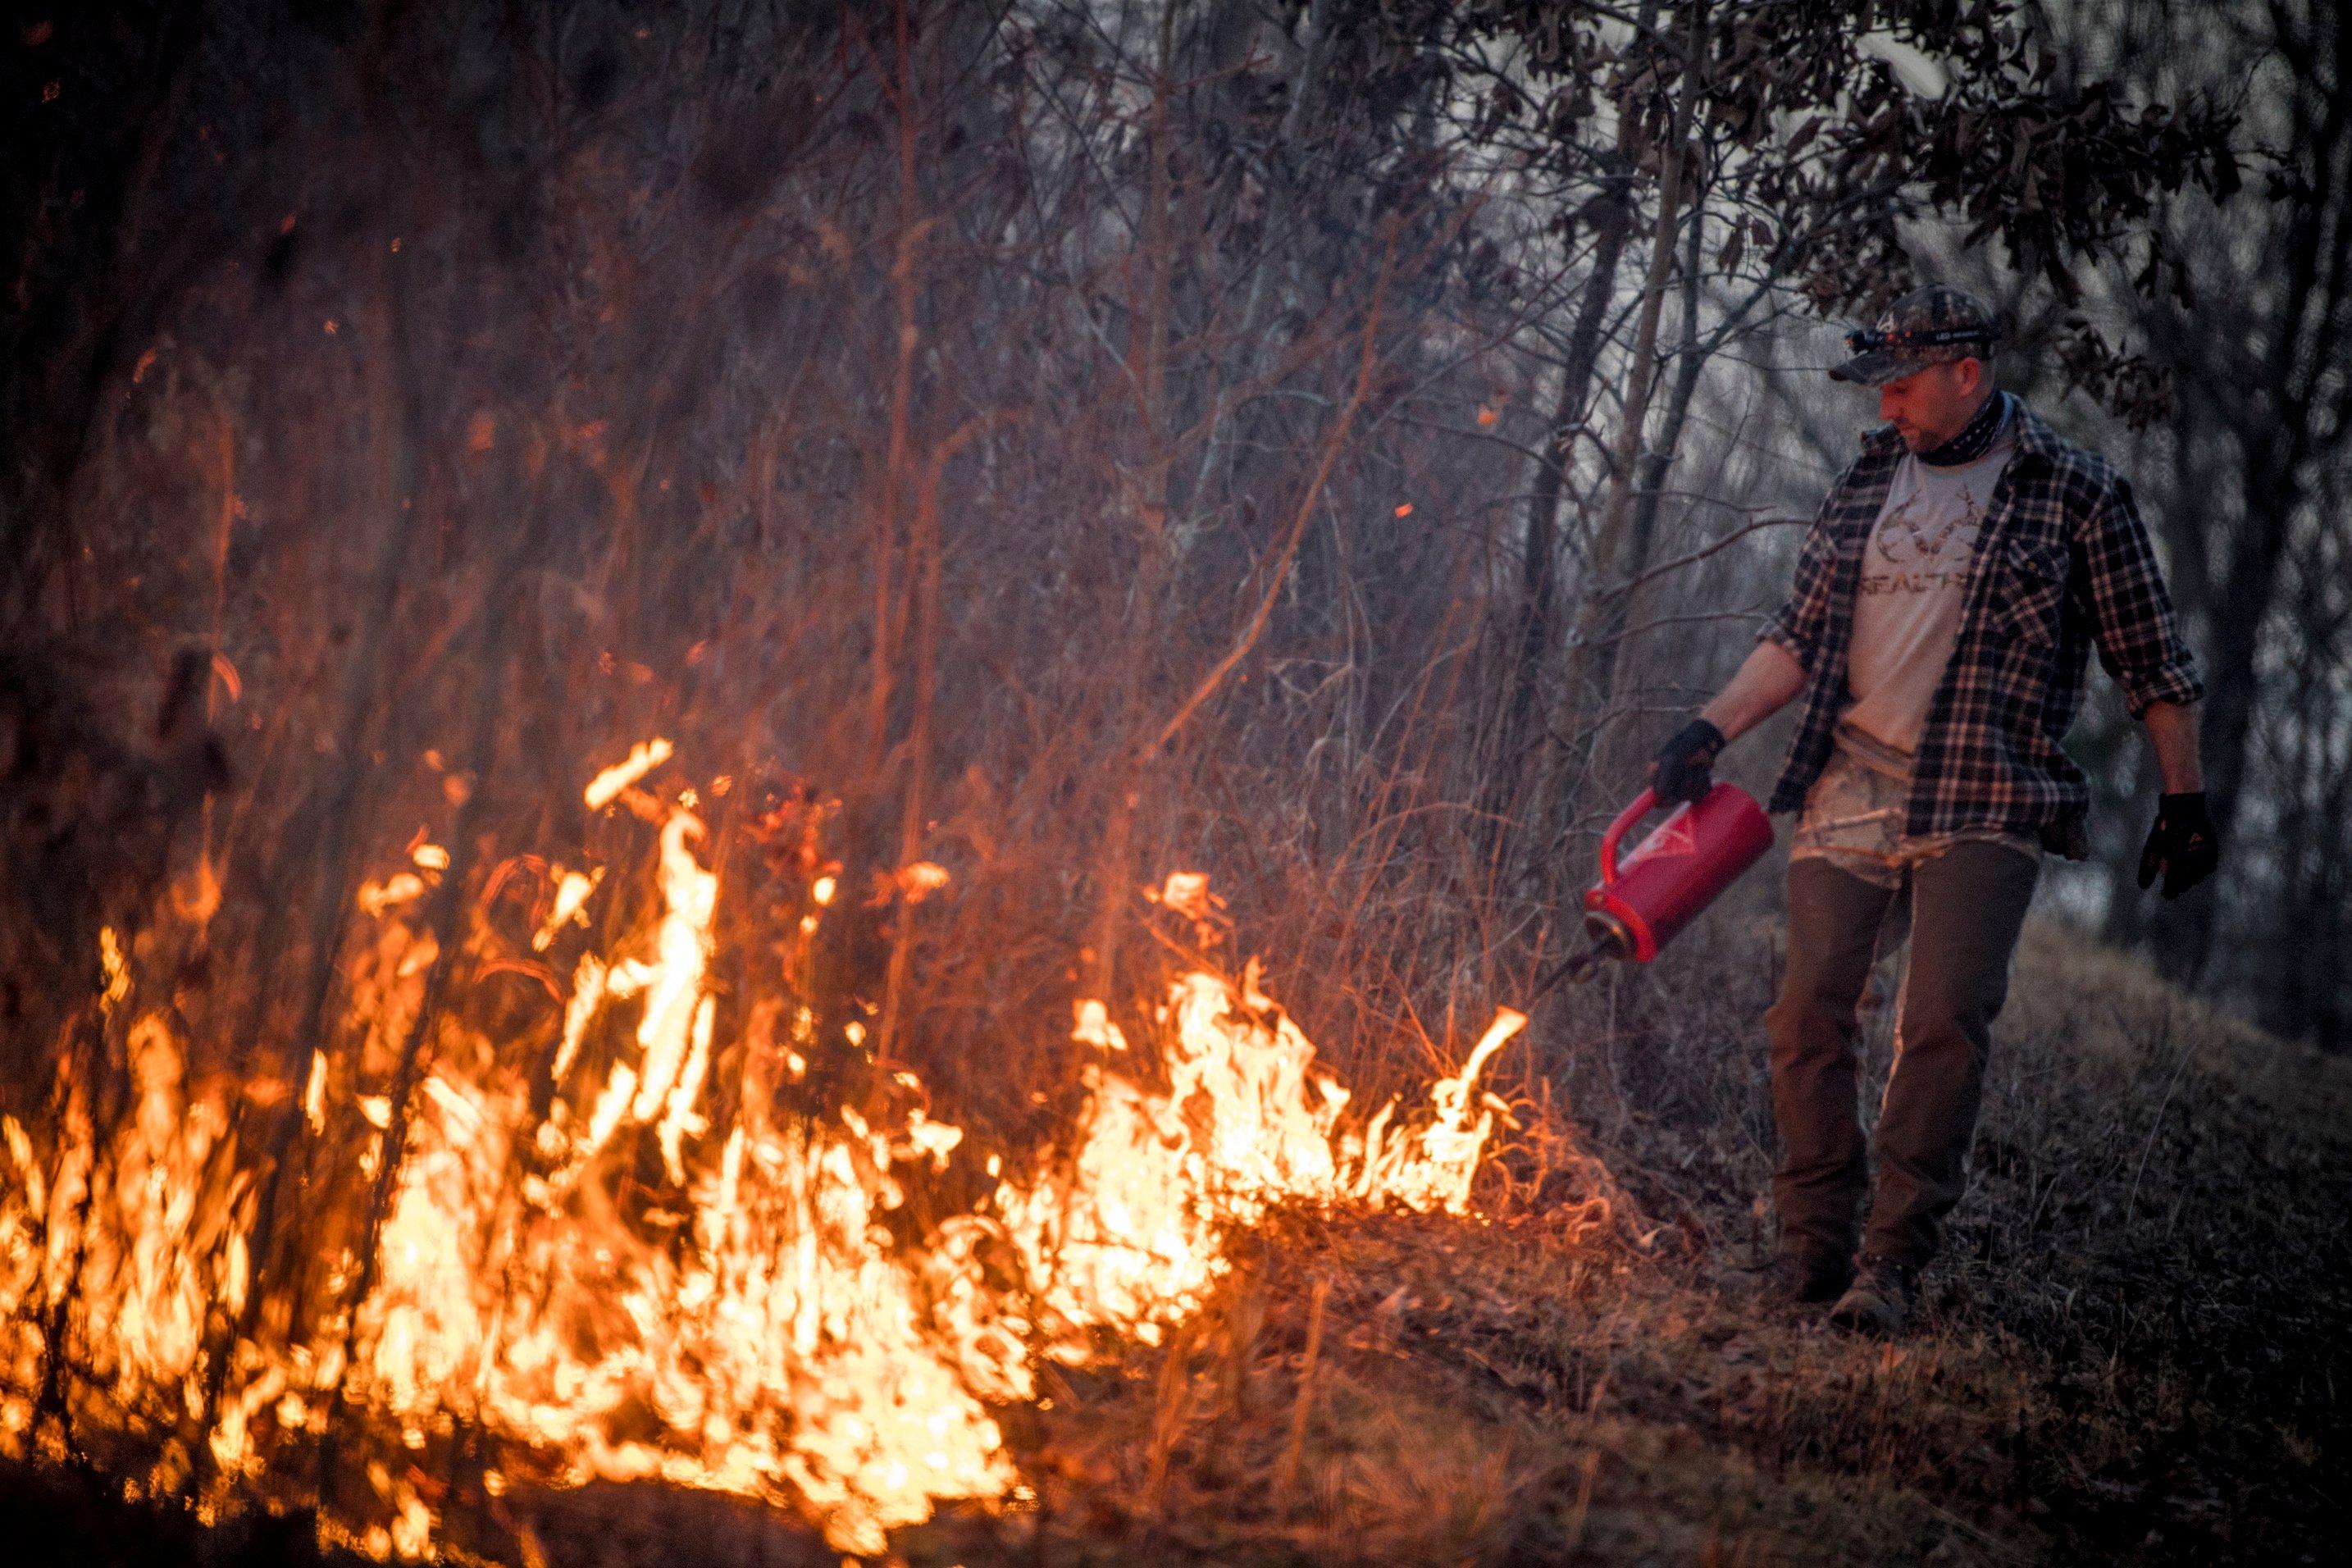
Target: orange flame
752	1327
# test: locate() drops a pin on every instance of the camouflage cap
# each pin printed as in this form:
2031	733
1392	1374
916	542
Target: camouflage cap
1935	325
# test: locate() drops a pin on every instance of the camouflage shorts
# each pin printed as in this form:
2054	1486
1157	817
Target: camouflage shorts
1853	816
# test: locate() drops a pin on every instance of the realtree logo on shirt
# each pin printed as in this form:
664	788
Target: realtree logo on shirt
1923	546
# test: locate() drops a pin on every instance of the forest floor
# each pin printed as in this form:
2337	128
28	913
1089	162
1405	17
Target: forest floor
2131	1351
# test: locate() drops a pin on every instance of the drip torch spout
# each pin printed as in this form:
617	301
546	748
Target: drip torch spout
1580	967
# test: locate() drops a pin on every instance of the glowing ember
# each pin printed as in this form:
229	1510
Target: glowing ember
737	1317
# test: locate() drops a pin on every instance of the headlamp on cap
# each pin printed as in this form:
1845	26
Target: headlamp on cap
1868	339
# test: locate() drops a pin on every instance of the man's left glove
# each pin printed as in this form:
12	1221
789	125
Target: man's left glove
1685	766
2183	843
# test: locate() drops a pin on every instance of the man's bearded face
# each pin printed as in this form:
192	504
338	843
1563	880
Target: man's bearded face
1931	405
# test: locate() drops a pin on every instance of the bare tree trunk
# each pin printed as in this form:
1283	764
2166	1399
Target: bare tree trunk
1608	667
1149	504
1610	538
1306	95
2259	374
1518	739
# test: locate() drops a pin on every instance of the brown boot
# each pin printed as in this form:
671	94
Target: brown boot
1792	1281
1879	1301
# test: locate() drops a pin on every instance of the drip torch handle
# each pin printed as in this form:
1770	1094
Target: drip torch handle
1625	819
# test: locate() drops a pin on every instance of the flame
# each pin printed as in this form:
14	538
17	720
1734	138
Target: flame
643	758
116	968
572	891
755	1321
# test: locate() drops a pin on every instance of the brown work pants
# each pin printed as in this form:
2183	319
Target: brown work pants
1964	909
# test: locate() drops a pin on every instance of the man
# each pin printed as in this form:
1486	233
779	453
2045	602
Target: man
1946	600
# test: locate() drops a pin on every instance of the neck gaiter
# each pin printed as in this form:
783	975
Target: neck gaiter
1975	437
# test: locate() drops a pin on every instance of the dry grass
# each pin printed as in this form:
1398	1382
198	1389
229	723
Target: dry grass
2129	1353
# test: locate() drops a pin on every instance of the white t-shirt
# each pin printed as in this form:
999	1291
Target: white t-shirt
1915	572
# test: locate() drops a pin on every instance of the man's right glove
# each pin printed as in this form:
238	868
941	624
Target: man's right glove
2183	843
1685	765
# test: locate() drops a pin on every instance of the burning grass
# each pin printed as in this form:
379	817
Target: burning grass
628	1241
577	1240
2129	1353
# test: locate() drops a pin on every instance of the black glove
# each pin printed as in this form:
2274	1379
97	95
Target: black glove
1684	765
2183	843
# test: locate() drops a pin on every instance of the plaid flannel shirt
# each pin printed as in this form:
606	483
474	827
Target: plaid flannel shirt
2063	565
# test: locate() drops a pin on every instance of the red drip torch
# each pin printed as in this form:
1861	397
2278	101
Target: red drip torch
1643	900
